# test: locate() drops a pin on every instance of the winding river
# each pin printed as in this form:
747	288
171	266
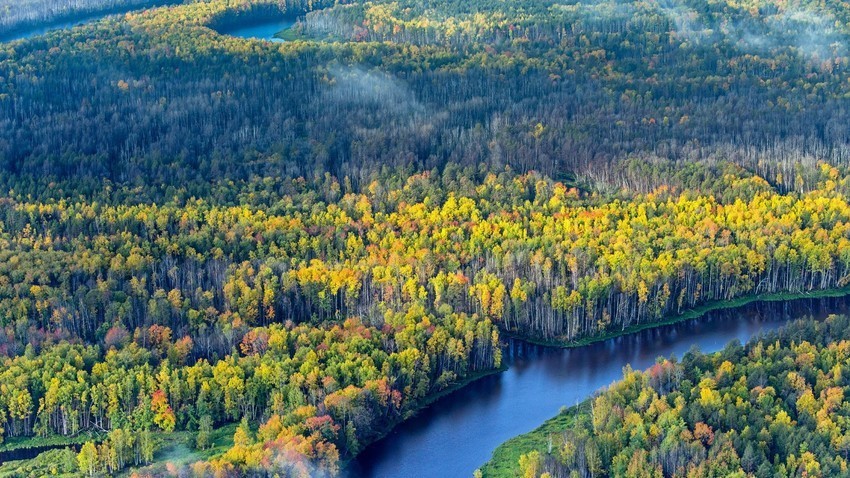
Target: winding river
261	29
74	21
459	432
34	31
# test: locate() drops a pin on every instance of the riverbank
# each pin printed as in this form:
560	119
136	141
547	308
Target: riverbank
290	34
551	446
535	381
178	447
73	19
257	29
24	448
689	314
503	464
472	423
420	407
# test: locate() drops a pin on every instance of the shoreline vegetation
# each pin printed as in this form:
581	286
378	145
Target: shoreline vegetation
506	452
698	388
427	402
290	34
502	463
690	314
257	15
226	25
174	447
174	439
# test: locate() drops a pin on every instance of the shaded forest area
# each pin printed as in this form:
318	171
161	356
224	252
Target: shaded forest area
159	99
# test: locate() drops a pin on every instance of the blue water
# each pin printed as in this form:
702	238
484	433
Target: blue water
43	29
260	31
459	433
263	30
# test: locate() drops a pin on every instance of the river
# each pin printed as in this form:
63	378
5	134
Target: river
259	30
263	29
33	31
459	432
74	21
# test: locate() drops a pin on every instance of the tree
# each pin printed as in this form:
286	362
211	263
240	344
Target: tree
203	439
163	415
87	459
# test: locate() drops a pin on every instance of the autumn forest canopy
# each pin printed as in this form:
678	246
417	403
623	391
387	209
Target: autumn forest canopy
277	252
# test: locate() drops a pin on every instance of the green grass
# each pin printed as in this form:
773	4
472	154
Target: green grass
290	34
294	33
503	464
179	448
58	463
176	447
22	443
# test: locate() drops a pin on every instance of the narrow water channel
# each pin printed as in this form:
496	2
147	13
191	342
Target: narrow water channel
458	433
81	19
261	29
33	31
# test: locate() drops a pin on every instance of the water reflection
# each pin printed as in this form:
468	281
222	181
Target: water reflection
260	30
459	432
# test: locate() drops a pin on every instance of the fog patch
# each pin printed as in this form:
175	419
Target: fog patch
816	36
353	85
685	20
288	462
812	35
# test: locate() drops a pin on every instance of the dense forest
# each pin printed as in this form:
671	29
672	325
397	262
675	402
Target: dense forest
160	99
310	240
775	407
329	315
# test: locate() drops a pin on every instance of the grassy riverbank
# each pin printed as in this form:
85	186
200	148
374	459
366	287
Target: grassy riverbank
503	464
290	34
25	443
179	448
689	314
